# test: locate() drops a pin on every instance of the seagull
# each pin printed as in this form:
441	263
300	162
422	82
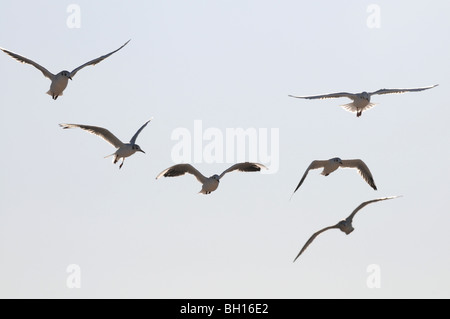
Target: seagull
329	166
361	101
209	184
344	225
123	149
60	80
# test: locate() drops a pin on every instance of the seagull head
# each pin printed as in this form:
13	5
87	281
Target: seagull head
337	160
137	148
66	74
346	227
216	177
365	96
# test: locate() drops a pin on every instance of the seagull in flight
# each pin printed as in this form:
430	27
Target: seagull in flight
60	80
209	184
344	225
123	149
361	101
329	166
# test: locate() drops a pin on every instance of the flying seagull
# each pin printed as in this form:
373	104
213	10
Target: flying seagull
329	166
344	225
209	184
361	101
60	80
123	149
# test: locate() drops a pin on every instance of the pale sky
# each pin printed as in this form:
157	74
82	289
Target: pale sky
226	65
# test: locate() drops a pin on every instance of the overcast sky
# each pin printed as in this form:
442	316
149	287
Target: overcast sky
202	69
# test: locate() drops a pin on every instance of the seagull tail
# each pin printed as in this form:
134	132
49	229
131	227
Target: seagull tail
49	92
351	107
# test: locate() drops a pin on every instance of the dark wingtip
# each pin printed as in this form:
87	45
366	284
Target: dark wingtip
293	193
254	168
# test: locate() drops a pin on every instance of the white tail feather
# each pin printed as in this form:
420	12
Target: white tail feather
351	107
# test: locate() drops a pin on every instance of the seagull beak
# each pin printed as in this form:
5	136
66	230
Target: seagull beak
142	151
70	78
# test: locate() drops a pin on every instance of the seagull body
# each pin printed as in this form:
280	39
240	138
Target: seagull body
123	149
329	166
59	84
344	225
361	101
209	184
60	80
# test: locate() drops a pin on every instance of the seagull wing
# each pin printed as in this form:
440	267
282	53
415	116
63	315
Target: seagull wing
314	237
357	209
327	96
99	131
244	167
395	91
22	59
97	60
313	165
181	169
133	139
362	168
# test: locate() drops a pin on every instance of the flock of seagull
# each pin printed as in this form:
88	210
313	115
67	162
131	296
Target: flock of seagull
360	102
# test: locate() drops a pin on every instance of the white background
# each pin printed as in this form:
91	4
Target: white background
229	64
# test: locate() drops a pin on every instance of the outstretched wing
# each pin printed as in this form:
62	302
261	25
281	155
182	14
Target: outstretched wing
181	169
22	59
327	96
357	209
313	165
310	240
133	139
362	168
244	167
396	91
97	60
99	131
